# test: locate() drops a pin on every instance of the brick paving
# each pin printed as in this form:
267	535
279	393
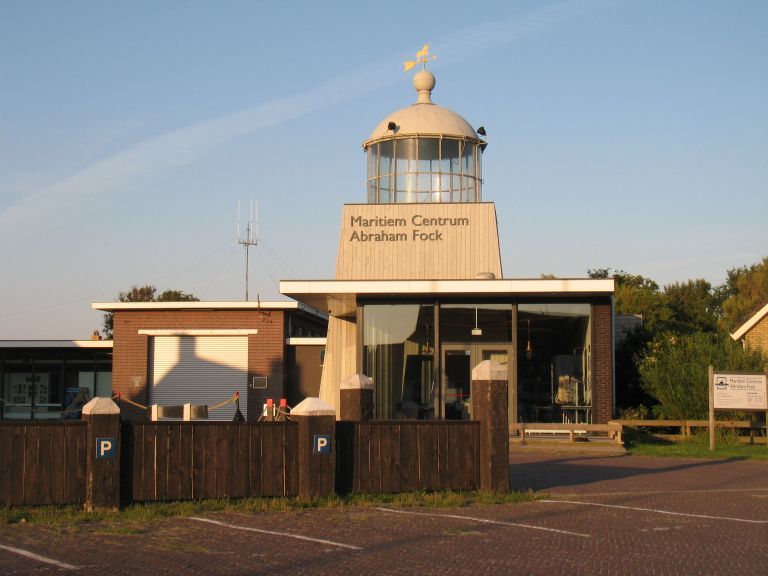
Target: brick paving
621	539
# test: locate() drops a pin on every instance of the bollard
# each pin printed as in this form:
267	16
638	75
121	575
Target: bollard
490	407
102	483
356	399
317	450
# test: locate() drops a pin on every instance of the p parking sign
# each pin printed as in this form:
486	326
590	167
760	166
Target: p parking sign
321	444
105	447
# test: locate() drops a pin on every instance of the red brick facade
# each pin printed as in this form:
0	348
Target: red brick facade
130	366
602	362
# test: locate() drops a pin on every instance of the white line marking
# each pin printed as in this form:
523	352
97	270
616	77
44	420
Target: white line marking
655	511
485	521
39	558
286	534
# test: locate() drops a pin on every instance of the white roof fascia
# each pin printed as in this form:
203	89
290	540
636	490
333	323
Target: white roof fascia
279	305
749	324
306	341
55	343
501	286
199	332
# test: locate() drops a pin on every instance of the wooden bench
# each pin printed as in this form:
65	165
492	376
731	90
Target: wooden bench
613	429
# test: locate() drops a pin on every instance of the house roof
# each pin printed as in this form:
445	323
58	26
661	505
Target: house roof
749	324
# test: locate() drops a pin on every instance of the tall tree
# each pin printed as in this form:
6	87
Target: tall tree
146	293
636	294
745	291
693	307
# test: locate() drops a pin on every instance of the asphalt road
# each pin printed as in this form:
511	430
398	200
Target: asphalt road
601	515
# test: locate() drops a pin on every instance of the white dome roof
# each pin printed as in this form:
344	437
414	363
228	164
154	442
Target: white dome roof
424	117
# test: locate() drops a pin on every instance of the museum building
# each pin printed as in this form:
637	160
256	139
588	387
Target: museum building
419	297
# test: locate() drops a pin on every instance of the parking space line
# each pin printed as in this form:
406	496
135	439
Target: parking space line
274	533
746	520
486	521
33	556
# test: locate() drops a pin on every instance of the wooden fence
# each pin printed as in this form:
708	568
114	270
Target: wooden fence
192	460
42	463
386	456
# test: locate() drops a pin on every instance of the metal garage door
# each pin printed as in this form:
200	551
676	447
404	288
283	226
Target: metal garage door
200	370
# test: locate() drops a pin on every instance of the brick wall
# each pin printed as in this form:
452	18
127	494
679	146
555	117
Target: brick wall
130	366
602	362
757	337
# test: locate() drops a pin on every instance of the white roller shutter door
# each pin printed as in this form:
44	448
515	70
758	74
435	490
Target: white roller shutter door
200	370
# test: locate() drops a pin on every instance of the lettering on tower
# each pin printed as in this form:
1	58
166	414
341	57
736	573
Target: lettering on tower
417	228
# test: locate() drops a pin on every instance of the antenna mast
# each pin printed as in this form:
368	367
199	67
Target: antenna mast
247	237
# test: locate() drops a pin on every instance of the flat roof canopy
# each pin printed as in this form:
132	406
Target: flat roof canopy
339	297
197	305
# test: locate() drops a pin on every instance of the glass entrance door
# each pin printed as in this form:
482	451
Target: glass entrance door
457	363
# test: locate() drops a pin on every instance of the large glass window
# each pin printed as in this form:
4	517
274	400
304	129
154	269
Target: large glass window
554	380
45	384
399	355
476	322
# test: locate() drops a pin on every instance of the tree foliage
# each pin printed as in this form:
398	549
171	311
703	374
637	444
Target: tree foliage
146	293
745	291
674	370
683	331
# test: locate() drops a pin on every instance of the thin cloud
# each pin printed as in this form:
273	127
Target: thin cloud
150	158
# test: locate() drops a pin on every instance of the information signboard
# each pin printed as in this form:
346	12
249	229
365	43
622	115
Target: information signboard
739	391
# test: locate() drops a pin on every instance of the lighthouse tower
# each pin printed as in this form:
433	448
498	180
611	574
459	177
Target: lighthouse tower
418	299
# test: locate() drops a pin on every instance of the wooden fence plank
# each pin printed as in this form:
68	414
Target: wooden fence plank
374	458
174	462
149	465
364	450
161	461
81	463
266	460
5	465
30	464
18	440
198	460
45	470
186	449
291	459
222	461
408	472
209	489
393	468
242	488
254	461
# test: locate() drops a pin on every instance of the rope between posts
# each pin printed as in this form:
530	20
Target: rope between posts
120	398
234	397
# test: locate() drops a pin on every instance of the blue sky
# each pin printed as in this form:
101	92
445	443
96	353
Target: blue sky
630	135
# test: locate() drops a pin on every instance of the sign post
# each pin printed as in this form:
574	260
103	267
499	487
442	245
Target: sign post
735	391
711	385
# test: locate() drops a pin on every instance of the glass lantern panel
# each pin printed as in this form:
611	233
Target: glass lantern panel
429	151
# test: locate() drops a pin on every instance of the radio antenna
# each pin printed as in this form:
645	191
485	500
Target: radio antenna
247	237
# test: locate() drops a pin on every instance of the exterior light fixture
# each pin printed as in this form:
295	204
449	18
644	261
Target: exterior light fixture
476	331
392	126
529	346
481	131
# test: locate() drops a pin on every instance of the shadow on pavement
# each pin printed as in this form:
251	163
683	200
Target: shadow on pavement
555	472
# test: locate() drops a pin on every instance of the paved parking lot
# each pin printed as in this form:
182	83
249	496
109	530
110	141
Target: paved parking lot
625	515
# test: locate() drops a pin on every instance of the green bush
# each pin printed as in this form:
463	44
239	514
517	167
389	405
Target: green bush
674	370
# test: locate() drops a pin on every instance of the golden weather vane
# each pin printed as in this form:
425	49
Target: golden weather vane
422	57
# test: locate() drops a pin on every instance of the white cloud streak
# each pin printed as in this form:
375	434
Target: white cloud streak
153	157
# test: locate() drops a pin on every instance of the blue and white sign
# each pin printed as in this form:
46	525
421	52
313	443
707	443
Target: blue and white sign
105	447
321	444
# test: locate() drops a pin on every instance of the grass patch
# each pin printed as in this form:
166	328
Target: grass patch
727	446
130	519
